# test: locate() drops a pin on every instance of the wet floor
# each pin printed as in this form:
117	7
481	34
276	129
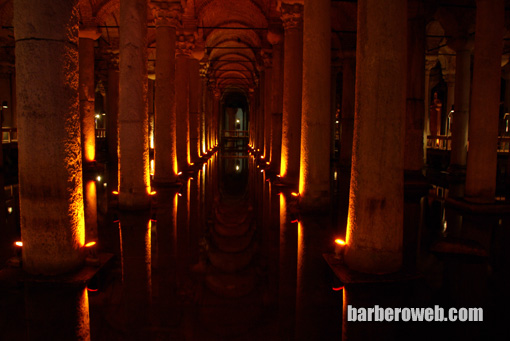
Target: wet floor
226	256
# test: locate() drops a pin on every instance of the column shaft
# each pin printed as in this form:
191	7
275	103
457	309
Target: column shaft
49	147
268	96
165	153
484	118
375	219
458	156
112	112
181	110
292	86
315	119
194	113
87	96
277	108
134	171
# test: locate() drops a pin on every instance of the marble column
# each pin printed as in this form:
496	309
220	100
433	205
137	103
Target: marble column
167	17
414	158
194	106
347	110
484	118
268	96
314	183
184	45
203	109
292	17
275	38
112	105
216	116
134	169
260	112
459	127
87	94
49	147
430	63
375	219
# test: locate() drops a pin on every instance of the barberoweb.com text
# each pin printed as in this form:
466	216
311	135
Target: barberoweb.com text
436	314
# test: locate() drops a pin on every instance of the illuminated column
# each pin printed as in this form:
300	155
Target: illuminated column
215	116
50	169
194	106
268	96
315	118
167	17
184	45
375	220
292	17
414	158
260	112
203	109
347	110
275	39
484	119
87	94
460	120
112	134
134	172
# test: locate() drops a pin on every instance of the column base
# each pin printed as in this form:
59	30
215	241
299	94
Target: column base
315	203
349	276
372	261
134	201
464	205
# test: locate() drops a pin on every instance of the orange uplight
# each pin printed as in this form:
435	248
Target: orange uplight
338	288
262	156
92	290
278	176
153	193
180	194
19	243
90	244
262	171
294	194
115	192
191	164
294	221
179	173
340	241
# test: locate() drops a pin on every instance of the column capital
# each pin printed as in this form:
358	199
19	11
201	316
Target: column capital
292	15
167	13
430	62
184	44
204	69
89	33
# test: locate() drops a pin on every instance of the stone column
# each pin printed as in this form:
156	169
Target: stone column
292	17
275	39
430	63
347	110
194	106
203	109
184	45
459	127
112	103
215	116
134	169
315	119
414	158
87	94
484	118
167	17
50	161
375	219
260	112
268	96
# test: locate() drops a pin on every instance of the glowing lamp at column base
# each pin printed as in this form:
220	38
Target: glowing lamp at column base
91	257
339	248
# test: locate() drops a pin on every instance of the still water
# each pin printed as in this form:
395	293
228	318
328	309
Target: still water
226	256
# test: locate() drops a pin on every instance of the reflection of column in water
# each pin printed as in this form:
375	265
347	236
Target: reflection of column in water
317	315
57	312
367	296
165	298
287	272
195	217
273	231
413	218
136	268
90	207
183	229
